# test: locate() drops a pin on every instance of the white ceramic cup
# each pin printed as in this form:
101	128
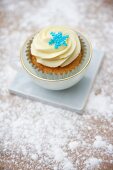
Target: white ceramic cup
59	84
56	84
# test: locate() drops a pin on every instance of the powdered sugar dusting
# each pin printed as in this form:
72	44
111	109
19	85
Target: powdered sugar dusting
99	143
73	145
91	163
37	136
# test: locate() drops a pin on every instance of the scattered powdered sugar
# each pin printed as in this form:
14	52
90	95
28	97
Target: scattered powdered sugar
59	154
110	148
47	14
93	162
67	165
34	156
73	145
34	135
99	143
101	102
42	134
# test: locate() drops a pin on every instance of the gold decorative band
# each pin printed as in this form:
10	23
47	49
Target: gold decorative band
34	76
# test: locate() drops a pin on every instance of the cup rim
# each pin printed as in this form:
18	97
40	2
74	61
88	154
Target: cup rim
63	79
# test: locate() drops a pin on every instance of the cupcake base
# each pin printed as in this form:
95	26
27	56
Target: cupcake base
59	73
57	70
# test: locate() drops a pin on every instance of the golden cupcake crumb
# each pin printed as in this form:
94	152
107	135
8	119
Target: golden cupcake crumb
56	70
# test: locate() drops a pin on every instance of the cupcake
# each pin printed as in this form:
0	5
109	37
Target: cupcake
56	49
56	55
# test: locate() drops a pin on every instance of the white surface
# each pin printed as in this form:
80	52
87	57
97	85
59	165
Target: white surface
73	98
34	130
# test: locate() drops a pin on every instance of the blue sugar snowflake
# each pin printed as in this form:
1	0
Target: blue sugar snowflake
58	39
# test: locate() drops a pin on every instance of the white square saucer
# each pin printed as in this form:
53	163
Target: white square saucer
73	99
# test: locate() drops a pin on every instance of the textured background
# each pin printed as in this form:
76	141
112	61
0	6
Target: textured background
37	136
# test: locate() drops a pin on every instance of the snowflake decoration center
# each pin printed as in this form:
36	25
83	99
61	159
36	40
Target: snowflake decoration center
58	39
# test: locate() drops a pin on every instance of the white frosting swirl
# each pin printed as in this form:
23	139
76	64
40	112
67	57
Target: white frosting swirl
49	56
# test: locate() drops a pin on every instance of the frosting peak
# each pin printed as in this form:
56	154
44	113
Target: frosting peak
55	46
